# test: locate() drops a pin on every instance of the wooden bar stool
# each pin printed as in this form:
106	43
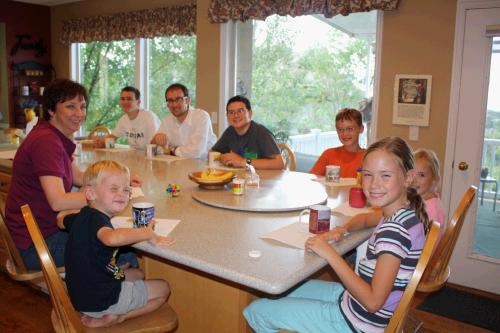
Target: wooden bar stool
65	318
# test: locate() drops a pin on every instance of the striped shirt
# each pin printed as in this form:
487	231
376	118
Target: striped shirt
401	235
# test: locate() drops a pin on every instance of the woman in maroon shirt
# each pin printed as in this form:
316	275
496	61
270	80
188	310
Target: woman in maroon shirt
44	171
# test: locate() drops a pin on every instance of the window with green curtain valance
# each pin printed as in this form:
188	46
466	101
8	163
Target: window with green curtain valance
221	11
148	23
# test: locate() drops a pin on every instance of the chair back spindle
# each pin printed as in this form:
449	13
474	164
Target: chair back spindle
288	157
438	270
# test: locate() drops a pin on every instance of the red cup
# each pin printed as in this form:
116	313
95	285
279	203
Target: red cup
319	218
357	198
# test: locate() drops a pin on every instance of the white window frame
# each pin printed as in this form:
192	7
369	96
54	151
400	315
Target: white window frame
227	84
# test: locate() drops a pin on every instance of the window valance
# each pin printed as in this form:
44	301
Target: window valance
148	23
221	11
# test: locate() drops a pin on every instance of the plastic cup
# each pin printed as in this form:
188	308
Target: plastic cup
143	213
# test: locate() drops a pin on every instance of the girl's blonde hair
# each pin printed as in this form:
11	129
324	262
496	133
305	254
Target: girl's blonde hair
431	158
403	154
97	171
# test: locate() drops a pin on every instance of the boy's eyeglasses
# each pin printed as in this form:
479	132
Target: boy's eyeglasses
345	129
235	112
175	100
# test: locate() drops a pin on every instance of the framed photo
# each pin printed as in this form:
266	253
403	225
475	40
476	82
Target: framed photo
412	99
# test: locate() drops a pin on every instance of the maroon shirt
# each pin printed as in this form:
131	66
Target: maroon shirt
44	152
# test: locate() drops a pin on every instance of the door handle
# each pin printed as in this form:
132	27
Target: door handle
463	166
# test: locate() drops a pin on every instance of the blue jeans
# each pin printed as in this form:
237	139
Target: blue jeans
311	308
57	245
126	254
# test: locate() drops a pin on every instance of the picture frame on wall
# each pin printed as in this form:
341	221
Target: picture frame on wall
412	99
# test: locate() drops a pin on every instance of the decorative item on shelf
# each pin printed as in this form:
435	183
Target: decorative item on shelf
25	90
28	103
34	72
34	87
29	113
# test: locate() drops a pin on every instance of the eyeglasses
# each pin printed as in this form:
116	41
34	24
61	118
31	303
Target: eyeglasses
175	100
345	129
236	112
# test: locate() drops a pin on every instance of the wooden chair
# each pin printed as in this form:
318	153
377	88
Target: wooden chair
64	316
398	320
14	263
288	156
438	270
99	131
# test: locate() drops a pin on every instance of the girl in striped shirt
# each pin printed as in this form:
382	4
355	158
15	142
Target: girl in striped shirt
364	302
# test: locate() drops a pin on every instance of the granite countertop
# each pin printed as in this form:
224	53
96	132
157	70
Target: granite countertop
218	241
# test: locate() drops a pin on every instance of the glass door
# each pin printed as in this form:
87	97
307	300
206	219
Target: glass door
487	231
475	262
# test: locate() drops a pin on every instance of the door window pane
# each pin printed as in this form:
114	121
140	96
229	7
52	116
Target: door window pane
487	230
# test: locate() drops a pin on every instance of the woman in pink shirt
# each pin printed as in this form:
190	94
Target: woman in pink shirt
426	182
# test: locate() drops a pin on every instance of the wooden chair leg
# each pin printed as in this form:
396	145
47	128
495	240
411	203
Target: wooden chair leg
412	324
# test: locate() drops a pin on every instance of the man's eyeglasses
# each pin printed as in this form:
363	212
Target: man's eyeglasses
235	112
175	100
345	129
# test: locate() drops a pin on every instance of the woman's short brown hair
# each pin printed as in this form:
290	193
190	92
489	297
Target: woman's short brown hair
60	91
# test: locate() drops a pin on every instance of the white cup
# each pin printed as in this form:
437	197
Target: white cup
332	174
150	150
213	159
319	218
109	143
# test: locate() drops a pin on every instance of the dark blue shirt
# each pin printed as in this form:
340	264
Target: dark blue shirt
92	276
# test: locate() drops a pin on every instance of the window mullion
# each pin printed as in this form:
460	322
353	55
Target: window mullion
142	70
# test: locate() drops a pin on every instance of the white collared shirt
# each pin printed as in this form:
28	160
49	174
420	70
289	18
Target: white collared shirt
193	137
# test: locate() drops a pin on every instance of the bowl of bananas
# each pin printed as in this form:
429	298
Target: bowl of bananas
212	179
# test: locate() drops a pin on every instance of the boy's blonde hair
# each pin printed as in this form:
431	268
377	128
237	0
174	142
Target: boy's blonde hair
97	171
431	158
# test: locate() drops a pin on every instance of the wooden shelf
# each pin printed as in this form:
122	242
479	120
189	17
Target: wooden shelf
33	75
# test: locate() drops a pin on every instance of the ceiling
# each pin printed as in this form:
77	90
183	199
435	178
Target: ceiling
48	2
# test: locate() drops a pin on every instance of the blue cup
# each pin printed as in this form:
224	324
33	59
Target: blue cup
143	213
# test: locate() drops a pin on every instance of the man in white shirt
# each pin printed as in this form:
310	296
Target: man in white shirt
137	125
184	131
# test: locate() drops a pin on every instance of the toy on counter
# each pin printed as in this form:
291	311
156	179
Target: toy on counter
173	190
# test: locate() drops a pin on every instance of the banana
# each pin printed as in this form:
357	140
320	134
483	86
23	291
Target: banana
216	175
